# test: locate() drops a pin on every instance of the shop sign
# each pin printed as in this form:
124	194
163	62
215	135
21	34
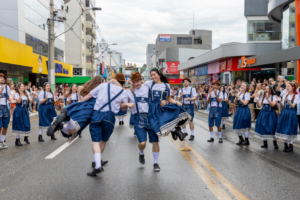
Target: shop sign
175	81
170	67
201	71
247	62
103	67
60	70
222	66
165	37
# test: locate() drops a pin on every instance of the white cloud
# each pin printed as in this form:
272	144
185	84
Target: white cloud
135	23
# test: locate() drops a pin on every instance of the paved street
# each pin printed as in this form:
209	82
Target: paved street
208	171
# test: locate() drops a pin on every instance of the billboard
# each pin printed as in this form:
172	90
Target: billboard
170	67
165	37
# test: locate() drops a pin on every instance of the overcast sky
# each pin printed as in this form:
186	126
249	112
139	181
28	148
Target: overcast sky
135	23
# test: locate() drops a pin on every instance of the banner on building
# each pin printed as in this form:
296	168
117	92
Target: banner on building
170	67
103	68
165	37
175	81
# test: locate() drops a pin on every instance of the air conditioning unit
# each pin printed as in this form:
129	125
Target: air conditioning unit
61	15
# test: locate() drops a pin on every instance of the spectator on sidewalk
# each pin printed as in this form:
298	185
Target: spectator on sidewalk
251	102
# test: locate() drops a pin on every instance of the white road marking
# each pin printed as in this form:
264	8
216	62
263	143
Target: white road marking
60	149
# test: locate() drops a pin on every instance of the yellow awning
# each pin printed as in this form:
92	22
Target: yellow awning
15	53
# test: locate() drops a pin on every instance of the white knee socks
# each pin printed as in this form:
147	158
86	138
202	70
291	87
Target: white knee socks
220	134
184	130
141	152
223	122
212	134
40	132
246	135
97	158
291	142
173	130
192	132
155	156
18	136
71	124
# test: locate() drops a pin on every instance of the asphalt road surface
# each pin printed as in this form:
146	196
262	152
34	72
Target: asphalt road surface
57	170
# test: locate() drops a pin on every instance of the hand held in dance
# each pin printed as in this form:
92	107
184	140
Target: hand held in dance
179	104
131	105
163	103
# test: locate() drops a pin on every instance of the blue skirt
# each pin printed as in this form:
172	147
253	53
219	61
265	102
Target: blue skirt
266	124
81	112
121	113
46	115
242	120
21	121
287	125
224	110
164	119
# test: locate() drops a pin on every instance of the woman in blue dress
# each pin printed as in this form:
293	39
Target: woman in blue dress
267	118
287	123
21	120
46	110
224	105
164	118
73	96
242	117
120	115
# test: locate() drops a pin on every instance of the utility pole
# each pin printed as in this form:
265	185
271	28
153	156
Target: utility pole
92	51
51	66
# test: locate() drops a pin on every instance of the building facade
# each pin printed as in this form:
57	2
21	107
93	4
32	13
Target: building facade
150	52
23	26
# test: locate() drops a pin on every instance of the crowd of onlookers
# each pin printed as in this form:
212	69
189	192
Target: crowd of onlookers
61	93
255	87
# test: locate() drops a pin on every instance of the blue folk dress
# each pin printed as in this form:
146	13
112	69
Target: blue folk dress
224	107
46	112
21	120
121	114
4	112
242	117
266	122
164	119
287	123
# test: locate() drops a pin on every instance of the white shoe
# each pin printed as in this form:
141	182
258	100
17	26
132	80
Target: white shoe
3	145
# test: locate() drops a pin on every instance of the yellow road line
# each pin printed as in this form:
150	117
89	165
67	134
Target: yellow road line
253	132
204	175
233	190
30	120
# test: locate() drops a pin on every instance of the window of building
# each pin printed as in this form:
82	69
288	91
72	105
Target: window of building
184	40
77	71
290	71
263	30
197	41
82	42
83	27
288	27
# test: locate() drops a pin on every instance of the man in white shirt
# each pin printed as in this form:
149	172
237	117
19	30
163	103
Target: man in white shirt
5	95
188	95
139	95
215	112
109	99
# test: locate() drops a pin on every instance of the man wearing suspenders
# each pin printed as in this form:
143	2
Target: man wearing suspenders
139	95
215	113
188	95
109	99
4	112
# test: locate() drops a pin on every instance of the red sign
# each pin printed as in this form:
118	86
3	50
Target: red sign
103	68
171	68
175	81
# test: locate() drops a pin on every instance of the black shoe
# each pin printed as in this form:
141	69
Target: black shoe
285	147
120	123
223	127
142	159
104	162
191	138
80	135
41	138
241	140
291	148
134	134
211	140
265	145
185	135
275	144
93	164
246	142
156	167
174	136
60	118
26	140
95	172
179	133
53	137
220	140
18	143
